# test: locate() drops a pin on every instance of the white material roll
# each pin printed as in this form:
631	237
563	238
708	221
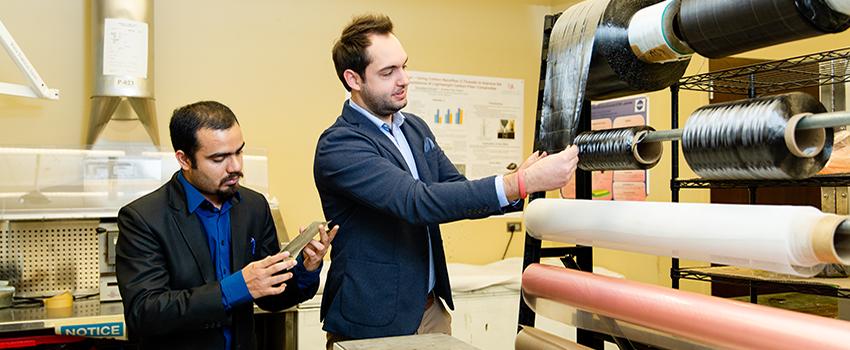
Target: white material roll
842	6
651	34
793	240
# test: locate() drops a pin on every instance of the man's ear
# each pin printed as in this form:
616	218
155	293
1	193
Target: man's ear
183	159
353	79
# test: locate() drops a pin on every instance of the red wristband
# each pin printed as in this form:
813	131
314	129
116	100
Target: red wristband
520	179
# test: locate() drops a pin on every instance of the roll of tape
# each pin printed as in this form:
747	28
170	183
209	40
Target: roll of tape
842	6
652	36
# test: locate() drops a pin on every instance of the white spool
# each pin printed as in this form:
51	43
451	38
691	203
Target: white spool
794	240
842	6
651	34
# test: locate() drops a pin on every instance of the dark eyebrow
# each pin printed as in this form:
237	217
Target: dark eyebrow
388	67
225	154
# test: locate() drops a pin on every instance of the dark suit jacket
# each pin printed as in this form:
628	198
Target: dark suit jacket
167	278
377	282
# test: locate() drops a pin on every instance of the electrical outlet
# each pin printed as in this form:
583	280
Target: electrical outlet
514	226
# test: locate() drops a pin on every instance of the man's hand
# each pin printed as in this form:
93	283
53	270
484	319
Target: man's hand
315	251
543	172
533	158
552	172
260	275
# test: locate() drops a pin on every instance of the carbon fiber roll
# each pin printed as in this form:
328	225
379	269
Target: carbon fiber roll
590	58
617	149
747	139
615	70
719	28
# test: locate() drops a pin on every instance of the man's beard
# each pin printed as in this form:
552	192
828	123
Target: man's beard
229	191
381	107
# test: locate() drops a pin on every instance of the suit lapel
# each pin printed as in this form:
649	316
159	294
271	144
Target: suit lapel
417	143
366	126
189	226
239	255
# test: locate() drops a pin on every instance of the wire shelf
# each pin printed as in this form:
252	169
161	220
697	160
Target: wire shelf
823	68
816	181
705	274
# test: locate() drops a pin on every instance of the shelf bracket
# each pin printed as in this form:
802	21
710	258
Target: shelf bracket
37	88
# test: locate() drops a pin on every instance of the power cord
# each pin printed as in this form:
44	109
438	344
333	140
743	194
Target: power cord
512	230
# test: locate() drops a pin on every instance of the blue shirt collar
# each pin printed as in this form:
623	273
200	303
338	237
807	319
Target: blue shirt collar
194	198
398	117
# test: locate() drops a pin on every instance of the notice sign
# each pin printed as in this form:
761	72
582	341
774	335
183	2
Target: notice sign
97	330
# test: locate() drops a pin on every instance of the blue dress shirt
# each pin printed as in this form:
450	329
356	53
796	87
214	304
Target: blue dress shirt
216	223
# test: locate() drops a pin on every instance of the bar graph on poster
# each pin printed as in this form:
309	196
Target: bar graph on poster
477	121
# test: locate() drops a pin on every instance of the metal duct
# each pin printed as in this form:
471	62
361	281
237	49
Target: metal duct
122	33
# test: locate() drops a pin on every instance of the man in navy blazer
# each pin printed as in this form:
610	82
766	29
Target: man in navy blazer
384	179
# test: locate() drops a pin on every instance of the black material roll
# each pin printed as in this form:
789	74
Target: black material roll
590	62
615	71
719	28
748	139
617	149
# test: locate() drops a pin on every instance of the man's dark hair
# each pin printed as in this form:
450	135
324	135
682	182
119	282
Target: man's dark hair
349	51
187	120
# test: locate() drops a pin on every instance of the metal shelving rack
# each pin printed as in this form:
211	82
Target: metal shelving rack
751	81
816	181
790	285
774	76
818	69
577	257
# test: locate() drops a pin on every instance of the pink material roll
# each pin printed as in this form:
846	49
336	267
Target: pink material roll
718	322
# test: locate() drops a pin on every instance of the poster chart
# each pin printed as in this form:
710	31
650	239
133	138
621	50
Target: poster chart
626	185
477	120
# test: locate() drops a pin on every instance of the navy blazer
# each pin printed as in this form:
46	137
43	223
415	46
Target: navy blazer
377	282
167	279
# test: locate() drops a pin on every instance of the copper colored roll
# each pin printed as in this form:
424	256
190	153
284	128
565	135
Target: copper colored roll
530	338
623	332
717	322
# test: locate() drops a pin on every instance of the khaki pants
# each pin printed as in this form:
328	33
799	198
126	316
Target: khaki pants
436	319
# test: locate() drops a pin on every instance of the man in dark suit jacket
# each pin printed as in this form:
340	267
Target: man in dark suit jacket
196	254
382	176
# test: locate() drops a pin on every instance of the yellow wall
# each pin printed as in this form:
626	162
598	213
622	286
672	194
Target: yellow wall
269	60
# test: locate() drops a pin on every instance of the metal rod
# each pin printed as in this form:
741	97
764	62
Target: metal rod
814	121
665	135
674	172
824	120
